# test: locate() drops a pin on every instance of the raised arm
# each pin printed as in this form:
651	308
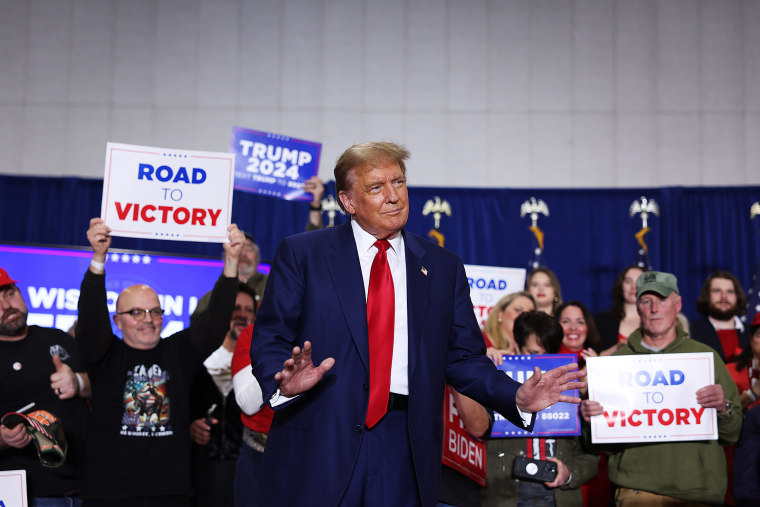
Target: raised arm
93	328
208	329
316	188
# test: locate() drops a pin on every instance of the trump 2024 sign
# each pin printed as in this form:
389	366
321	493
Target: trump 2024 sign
273	164
651	397
162	193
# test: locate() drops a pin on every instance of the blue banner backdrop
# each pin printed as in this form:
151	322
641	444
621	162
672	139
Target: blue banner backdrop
589	234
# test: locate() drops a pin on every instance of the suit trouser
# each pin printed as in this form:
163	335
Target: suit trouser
384	472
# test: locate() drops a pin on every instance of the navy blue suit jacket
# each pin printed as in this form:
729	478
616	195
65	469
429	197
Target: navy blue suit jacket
315	292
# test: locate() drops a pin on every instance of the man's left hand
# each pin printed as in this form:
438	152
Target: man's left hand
64	380
543	390
562	474
712	397
200	431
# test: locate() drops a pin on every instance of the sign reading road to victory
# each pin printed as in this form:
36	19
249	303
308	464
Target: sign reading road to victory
488	284
651	397
559	420
273	164
162	193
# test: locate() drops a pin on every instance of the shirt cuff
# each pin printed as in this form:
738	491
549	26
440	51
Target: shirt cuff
526	417
279	399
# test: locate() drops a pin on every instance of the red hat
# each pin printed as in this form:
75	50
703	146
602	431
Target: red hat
756	320
4	278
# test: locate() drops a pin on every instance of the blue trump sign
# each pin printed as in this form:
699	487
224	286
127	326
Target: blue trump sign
273	164
559	420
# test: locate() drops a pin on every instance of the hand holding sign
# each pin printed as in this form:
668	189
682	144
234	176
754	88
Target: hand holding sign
316	188
99	236
543	390
591	408
232	249
712	397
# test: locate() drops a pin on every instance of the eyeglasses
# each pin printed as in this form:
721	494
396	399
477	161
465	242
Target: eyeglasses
140	314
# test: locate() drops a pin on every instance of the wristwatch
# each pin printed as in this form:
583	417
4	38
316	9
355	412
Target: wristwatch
729	409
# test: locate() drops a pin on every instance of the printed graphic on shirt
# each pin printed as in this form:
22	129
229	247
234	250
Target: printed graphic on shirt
146	403
62	353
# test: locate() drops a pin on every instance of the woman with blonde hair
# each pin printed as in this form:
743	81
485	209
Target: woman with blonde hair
498	327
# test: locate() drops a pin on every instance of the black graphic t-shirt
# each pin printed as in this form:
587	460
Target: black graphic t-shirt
25	369
138	442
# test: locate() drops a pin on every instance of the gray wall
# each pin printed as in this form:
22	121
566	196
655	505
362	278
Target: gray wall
499	93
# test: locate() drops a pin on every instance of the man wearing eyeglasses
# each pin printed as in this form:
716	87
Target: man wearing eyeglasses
138	445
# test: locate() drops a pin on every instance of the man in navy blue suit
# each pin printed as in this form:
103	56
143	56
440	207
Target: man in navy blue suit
311	352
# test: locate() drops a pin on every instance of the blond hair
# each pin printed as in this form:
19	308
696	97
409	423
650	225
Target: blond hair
492	327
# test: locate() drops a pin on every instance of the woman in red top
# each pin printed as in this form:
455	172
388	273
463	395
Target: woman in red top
581	337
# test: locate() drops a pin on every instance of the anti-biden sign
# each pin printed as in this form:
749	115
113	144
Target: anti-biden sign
167	194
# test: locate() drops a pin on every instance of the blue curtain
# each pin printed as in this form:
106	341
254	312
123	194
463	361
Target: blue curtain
589	236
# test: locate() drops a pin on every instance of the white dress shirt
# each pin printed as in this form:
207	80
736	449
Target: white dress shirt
397	262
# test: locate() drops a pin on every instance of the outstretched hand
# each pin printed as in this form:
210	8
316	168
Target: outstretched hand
299	373
543	390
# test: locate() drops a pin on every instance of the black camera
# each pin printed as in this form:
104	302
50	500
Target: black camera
538	470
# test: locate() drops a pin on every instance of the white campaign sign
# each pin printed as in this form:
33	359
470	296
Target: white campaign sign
161	193
13	488
651	397
488	284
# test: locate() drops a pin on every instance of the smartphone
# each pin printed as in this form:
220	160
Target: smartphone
538	470
209	413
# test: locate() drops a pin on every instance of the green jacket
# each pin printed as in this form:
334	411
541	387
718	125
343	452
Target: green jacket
501	488
694	470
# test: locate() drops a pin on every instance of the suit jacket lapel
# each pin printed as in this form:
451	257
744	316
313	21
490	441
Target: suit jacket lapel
343	263
417	297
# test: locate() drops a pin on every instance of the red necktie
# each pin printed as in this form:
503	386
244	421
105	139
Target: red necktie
381	309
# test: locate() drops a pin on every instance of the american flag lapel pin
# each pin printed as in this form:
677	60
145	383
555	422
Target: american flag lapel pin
424	270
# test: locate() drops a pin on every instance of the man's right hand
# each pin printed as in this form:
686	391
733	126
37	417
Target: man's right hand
14	437
99	236
299	373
